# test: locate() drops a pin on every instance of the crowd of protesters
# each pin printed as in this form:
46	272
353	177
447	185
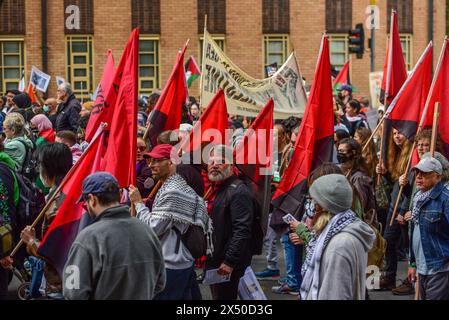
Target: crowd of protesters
136	245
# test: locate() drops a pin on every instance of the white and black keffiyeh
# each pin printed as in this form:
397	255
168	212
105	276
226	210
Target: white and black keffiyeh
177	201
418	201
311	267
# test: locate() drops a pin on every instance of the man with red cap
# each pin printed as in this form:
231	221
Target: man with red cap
176	207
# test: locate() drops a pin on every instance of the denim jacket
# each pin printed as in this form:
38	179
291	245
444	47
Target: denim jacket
434	227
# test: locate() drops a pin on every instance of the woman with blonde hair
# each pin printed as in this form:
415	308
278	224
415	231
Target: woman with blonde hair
17	143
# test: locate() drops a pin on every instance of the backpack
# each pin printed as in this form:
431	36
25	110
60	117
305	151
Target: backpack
194	239
31	202
257	234
29	163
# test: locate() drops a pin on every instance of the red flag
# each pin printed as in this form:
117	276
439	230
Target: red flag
71	217
253	153
30	91
440	94
120	156
313	146
166	115
101	112
214	117
406	110
343	76
395	73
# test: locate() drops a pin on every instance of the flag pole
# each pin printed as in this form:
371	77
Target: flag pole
56	193
203	61
434	129
421	123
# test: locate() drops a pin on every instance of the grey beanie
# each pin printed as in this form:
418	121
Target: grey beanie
332	192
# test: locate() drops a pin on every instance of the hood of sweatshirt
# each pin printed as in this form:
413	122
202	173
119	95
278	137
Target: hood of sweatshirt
363	232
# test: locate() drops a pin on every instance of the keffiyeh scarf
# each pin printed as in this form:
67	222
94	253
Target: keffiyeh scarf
311	267
418	201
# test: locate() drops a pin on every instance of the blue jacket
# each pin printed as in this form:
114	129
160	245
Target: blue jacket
434	227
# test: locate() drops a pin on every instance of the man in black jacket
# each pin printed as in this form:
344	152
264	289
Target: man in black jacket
231	210
68	110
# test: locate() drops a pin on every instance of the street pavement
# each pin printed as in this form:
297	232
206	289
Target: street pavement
258	264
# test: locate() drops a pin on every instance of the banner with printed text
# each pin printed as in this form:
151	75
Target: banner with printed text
245	95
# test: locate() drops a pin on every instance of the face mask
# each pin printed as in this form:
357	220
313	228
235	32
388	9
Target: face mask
46	108
342	158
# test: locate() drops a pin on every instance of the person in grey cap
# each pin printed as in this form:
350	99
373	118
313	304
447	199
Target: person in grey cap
335	266
116	257
429	255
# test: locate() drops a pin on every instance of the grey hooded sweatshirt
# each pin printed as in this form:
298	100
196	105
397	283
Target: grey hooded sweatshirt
344	262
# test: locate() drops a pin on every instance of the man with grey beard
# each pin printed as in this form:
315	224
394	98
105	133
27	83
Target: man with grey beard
231	210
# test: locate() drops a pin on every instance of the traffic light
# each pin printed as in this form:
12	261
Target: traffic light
357	40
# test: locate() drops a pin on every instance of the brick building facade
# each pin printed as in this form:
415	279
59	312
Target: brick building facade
253	33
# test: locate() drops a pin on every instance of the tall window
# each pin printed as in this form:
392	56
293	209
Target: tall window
406	43
12	63
146	15
149	65
338	16
80	70
405	15
276	49
338	47
12	30
216	16
276	16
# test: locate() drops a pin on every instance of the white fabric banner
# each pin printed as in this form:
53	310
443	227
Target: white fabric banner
245	95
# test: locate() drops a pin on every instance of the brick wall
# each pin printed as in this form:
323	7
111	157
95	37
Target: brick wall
244	37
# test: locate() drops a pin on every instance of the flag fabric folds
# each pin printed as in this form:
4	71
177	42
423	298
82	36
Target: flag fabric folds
192	71
313	146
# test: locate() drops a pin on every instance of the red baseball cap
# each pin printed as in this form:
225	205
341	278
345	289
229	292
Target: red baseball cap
160	151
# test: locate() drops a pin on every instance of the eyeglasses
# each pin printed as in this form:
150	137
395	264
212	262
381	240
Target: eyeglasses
157	161
423	145
141	148
424	174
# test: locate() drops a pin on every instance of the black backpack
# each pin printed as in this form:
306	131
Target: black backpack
257	234
31	202
29	163
194	239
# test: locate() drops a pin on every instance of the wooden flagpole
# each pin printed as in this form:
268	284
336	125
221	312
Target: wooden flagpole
56	193
433	143
203	62
421	124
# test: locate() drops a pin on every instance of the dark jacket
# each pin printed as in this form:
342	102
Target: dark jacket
118	257
7	210
191	173
434	226
68	115
232	217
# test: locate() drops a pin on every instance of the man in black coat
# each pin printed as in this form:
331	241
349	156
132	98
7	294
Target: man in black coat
68	110
231	209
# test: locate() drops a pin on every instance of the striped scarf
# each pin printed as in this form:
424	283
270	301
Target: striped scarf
311	267
418	202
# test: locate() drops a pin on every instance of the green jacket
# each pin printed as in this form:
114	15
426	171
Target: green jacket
6	159
16	150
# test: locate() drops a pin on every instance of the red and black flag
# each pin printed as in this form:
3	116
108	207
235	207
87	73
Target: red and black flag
210	127
120	156
71	217
105	98
395	73
253	158
314	144
166	115
406	110
440	94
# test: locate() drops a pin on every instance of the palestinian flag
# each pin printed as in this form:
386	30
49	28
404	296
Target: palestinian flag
192	71
313	147
342	78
